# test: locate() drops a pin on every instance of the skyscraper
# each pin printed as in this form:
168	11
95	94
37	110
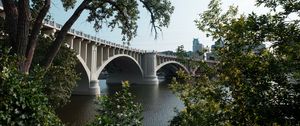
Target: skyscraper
197	47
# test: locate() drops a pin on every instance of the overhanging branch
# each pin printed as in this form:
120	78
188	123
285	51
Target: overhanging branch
152	20
55	46
124	14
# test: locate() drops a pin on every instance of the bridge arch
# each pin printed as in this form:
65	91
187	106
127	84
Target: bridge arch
82	87
86	68
177	64
126	66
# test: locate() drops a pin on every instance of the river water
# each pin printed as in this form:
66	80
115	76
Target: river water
158	104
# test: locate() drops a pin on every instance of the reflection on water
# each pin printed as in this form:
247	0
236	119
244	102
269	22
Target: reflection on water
80	110
157	100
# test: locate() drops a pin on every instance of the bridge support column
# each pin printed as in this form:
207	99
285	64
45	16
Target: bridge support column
149	64
105	53
83	50
137	57
77	45
99	56
111	51
69	40
140	59
158	60
85	88
94	87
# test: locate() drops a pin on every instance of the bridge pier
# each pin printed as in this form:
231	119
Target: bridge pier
149	64
94	87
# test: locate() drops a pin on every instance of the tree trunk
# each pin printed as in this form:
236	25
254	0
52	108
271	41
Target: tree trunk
55	46
35	33
11	21
23	30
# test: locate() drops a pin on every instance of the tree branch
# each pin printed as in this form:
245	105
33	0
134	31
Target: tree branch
54	48
33	39
152	18
124	14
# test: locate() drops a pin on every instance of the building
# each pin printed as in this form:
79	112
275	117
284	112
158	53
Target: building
196	45
197	48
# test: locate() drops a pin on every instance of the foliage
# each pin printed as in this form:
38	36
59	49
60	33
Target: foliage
181	54
22	98
119	109
124	14
61	77
201	98
184	58
251	85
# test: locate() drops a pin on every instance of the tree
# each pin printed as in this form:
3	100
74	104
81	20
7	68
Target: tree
181	54
24	21
250	86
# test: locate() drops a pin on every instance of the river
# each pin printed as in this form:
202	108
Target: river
158	104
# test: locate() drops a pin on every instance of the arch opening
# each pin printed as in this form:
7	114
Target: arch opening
167	71
120	68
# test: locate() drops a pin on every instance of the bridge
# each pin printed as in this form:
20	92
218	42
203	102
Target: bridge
118	61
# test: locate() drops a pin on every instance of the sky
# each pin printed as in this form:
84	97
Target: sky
181	31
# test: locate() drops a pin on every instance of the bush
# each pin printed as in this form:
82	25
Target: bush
119	109
22	99
201	98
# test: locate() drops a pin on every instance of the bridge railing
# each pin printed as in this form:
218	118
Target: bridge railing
186	58
72	31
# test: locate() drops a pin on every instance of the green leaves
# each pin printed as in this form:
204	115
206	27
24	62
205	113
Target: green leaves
213	20
124	15
121	13
22	99
252	85
68	4
201	98
119	109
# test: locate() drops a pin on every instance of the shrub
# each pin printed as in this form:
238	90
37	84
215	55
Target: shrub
22	99
119	109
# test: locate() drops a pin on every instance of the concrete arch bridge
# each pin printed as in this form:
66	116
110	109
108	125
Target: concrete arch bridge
118	61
